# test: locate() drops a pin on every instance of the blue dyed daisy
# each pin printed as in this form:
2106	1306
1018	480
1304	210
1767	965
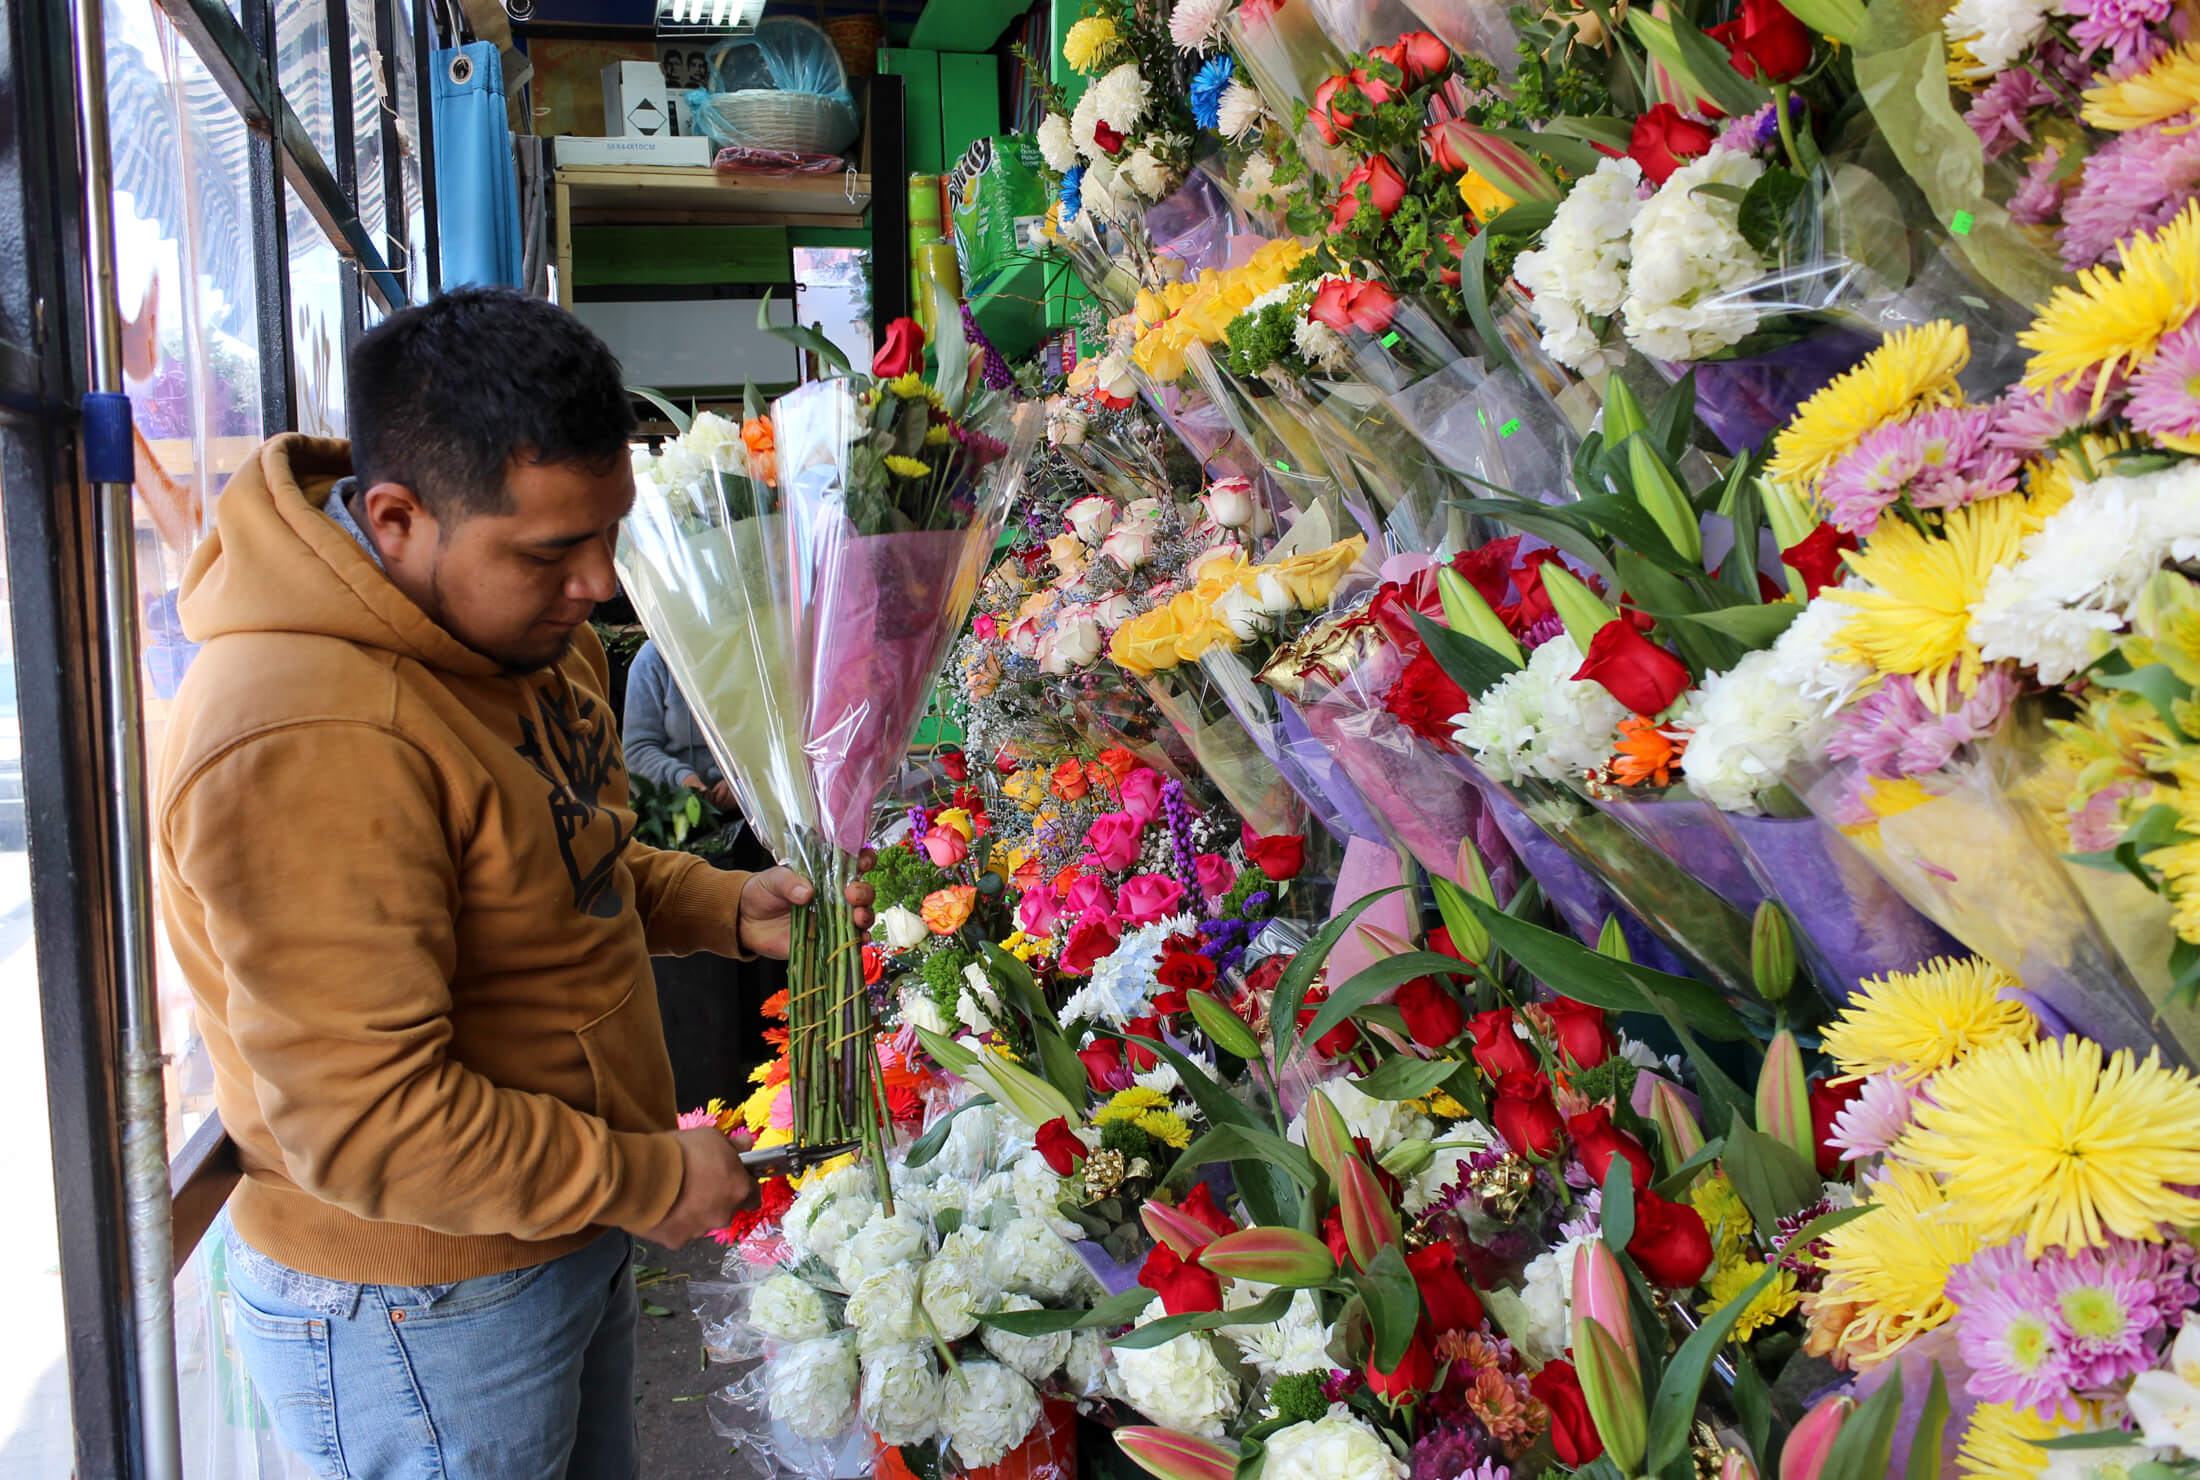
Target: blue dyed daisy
1073	192
1208	85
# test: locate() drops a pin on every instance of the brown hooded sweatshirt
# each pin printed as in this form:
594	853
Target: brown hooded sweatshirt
403	887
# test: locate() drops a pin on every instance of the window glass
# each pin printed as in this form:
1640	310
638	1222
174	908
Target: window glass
369	102
406	70
301	70
316	324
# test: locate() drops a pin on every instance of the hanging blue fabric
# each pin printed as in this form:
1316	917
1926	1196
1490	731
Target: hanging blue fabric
477	196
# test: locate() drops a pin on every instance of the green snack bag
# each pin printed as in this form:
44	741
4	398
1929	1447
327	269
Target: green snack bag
998	195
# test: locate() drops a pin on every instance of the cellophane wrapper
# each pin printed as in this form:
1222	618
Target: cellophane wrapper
1193	702
1481	28
1280	731
1283	50
1294	465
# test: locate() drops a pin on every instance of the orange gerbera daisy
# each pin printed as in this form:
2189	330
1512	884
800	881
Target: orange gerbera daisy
1645	753
775	1006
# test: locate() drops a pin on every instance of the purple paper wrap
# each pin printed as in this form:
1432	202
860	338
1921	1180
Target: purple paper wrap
1114	1276
1194	224
1745	401
1688	832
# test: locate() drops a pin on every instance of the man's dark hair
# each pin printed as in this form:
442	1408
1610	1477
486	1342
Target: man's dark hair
443	397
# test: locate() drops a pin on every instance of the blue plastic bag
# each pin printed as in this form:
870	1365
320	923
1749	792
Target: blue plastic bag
477	192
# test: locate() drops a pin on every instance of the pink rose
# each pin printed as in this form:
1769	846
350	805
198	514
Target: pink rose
1148	897
1089	899
1037	913
1142	794
945	846
1217	875
986	628
1114	840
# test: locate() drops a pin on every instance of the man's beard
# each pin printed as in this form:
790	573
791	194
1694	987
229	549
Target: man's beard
513	664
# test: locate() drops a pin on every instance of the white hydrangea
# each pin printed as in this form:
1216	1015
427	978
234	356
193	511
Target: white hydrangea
1035	1357
1383	1122
1038	1193
1120	986
967	1153
1998	32
825	1212
1238	110
1030	1257
956	1289
788	1309
1746	726
901	1393
1338	1447
881	1243
709	432
986	1411
1540	721
1547	1295
1690	261
1086	1367
882	1311
1055	144
1122	97
1180	1384
811	1386
1297	1342
1580	271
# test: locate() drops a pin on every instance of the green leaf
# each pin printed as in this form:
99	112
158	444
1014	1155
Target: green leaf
928	1145
1168	1328
1866	1441
1474	287
1523	218
1653	589
1014	975
1616	986
1676	1182
1116	1310
1393	1304
654	1310
1474	666
1552	524
801	336
1754	627
1291	987
1613	133
1619	1204
1064	1070
1672	420
1932	1423
1575	156
1373	980
1752	1400
1769	209
947	1053
1235	1143
1741	506
2155	684
1736	95
1403	1078
1772	1180
680	420
1674	1407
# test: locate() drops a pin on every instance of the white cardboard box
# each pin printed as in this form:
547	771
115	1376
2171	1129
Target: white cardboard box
663	149
634	100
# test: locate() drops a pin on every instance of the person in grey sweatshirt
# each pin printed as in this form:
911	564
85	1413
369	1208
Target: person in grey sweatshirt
663	741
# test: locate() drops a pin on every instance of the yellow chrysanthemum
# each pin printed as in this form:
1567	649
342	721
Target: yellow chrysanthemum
1887	1272
2041	1139
907	467
1723	1213
1167	1127
1090	43
2113	319
1912	371
1129	1104
909	387
938	436
2166	88
1919	1022
2002	1442
1441	1103
1915	615
1734	1276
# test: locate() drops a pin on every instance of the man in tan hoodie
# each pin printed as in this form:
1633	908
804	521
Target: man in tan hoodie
397	866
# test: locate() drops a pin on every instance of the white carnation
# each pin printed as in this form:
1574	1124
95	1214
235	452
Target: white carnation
1122	97
1238	110
811	1386
1691	261
788	1309
956	1290
987	1411
882	1311
881	1243
1035	1357
1030	1257
1180	1384
1056	145
1338	1447
1195	25
1547	1295
1383	1122
1146	174
1540	721
902	1393
1580	271
1746	727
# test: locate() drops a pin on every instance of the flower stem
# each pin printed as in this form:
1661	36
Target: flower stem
1780	95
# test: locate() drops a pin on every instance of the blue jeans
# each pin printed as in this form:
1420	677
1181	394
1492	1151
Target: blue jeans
526	1375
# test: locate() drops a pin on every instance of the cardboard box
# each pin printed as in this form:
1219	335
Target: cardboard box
634	102
664	149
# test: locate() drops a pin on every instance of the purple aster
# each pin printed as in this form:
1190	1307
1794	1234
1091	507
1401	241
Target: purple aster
1450	1449
2028	422
1589	1219
2134	184
2165	394
1872	1122
2000	115
2009	1333
1542	631
1940	459
2040	196
2124	27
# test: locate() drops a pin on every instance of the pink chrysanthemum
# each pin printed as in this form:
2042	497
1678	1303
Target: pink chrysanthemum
2038	200
2165	394
2008	1331
2001	113
2028	422
2124	27
1895	733
1872	1122
2134	184
1941	459
2115	1306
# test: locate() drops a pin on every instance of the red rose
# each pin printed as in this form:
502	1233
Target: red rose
1535	602
1340	1248
1765	42
1385	187
1090	941
1497	1048
1439	941
1184	1287
1580	1030
1671	1245
1345	304
1104	1065
1407	1381
1827	1101
1060	1146
955	764
1597	1141
1663	140
874	965
1006	763
1451	1301
1633	669
1433	1016
1108	137
902	350
1424	699
1263	978
1186	972
1573	1431
1329	120
1525	1116
1817	559
1425	56
1279	857
1142	1057
1335	1043
1200	1208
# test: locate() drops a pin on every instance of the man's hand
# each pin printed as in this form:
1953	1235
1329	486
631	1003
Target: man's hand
769	898
713	1187
720	795
692	781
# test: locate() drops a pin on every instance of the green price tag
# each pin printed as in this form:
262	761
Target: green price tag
1481	416
1284	466
1390	339
1509	427
1961	223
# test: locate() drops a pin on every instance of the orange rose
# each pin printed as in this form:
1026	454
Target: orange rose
945	910
1100	775
1069	781
1119	760
756	435
1067	877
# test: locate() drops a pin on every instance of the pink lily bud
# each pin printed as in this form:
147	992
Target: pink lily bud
1328	1139
1735	1465
1783	1098
1370	1222
1679	1136
1383	944
1273	1256
1169	1455
1600	1295
1804	1454
1184	1234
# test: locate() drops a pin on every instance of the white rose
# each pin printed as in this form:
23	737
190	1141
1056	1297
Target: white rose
1130	546
972	1012
987	1411
955	1289
811	1386
1114	611
1275	598
1065	423
1056	145
787	1309
1229	502
1338	1447
901	1393
883	1309
918	1010
1035	1357
1145	511
1113	375
1179	1384
1076	641
1547	1293
1091	517
882	1243
1240	611
902	927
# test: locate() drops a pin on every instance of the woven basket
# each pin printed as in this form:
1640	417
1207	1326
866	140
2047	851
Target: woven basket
856	38
794	122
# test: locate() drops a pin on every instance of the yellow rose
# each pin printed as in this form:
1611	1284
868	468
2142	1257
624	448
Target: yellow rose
958	819
1312	576
1037	604
1146	644
1197	629
1221	564
1160	356
1067	552
1482	197
1148	308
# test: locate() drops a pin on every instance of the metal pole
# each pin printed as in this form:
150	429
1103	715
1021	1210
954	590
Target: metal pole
109	465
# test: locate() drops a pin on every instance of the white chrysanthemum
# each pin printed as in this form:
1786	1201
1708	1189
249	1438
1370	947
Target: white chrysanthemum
1580	271
1085	1368
955	1290
1038	1194
1323	347
1030	1257
811	1386
1258	178
1689	261
1120	986
1547	1294
1338	1447
1035	1357
883	1309
1383	1122
1056	145
788	1309
1540	721
1998	32
1297	1342
881	1243
1196	25
1237	110
1444	1165
1745	727
1804	656
1122	97
1146	174
901	1394
1180	1384
986	1410
1083	119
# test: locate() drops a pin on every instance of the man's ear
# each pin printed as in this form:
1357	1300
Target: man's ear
396	518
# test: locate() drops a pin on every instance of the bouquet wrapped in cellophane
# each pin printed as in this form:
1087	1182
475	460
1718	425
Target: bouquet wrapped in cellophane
804	595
